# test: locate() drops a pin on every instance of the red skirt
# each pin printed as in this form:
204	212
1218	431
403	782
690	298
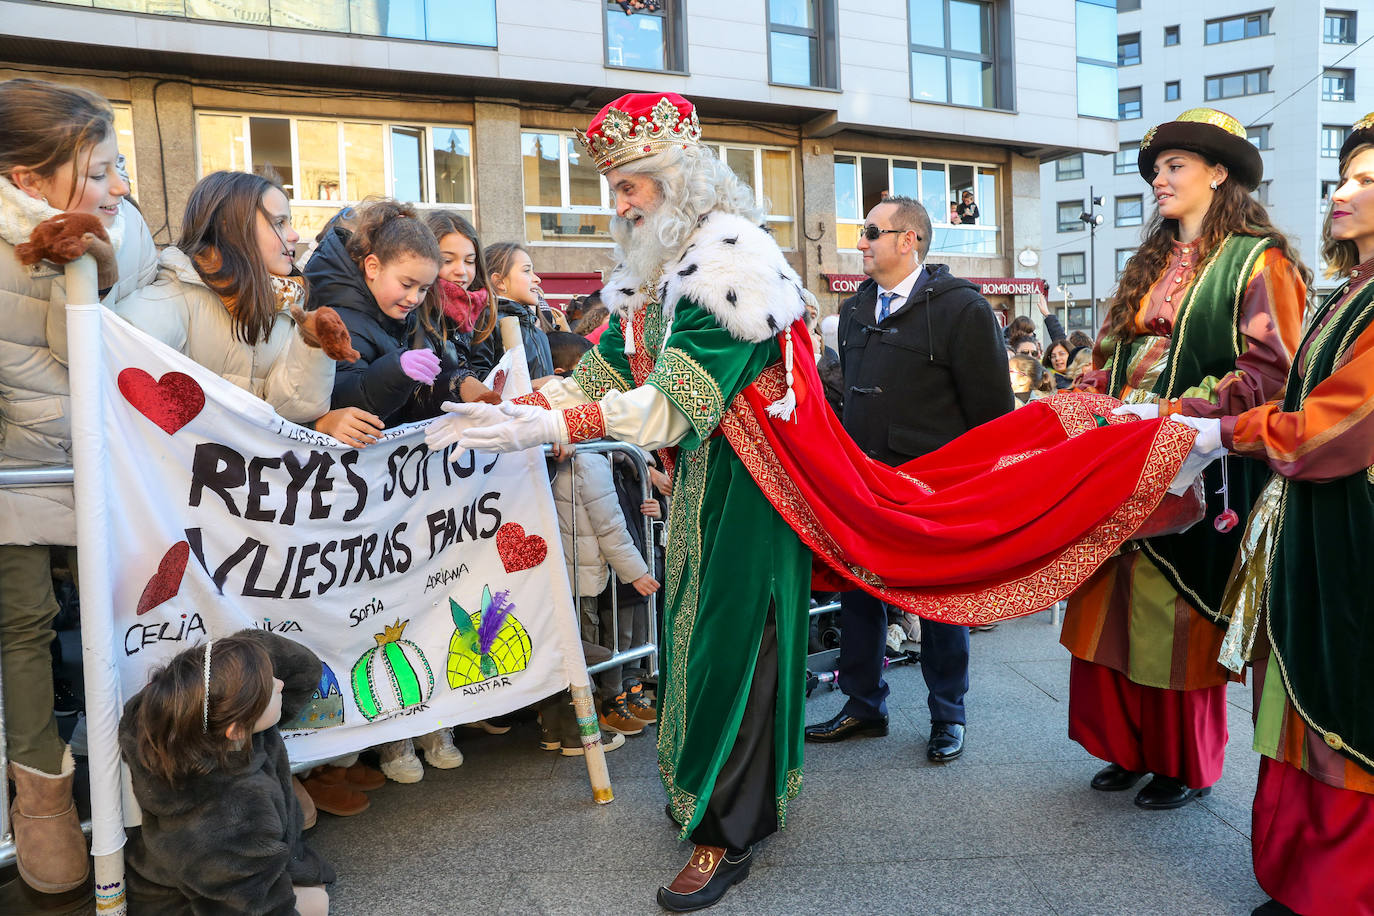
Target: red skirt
1177	733
1312	843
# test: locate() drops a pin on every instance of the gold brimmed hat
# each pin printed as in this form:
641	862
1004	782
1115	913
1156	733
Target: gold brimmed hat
637	125
1361	132
1207	132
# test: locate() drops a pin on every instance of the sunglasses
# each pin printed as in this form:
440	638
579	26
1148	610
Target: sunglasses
872	232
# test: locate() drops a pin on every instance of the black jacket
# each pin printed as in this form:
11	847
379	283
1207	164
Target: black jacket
935	369
228	841
537	353
375	382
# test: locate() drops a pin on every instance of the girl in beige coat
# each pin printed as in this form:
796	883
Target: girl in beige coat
58	153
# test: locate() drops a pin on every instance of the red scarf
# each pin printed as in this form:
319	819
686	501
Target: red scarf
462	306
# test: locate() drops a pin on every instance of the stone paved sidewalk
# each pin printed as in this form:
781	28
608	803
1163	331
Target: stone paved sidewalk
1009	828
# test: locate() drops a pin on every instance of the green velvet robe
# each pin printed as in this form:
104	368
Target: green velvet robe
731	558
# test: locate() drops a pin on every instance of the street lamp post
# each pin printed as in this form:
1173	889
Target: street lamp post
1093	219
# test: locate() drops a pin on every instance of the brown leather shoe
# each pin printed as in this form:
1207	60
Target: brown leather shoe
50	848
332	796
708	874
309	816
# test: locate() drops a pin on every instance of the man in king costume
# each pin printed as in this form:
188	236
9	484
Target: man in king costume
707	359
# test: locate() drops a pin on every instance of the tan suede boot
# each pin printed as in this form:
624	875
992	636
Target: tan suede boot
50	847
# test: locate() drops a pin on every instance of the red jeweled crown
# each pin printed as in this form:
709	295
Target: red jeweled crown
639	124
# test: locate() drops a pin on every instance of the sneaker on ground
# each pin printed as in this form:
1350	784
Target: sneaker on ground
66	701
609	742
399	762
615	716
439	749
487	726
637	701
548	733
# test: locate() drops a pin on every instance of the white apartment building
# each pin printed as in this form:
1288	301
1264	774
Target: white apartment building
1292	71
820	105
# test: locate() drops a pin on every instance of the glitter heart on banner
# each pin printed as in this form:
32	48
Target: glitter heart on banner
170	402
517	550
166	582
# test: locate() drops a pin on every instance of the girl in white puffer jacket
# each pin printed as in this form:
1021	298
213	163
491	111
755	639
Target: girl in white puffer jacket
58	153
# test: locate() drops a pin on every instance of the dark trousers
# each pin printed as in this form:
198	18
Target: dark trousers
863	635
743	808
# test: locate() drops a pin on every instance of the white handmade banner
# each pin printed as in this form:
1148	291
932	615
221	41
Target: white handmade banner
431	584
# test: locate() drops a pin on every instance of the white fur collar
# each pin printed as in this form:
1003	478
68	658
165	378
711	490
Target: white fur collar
730	267
20	214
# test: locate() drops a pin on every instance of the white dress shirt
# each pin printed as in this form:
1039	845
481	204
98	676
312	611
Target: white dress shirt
902	290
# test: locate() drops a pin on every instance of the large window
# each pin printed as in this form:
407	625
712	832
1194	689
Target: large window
1128	104
1066	216
1333	137
124	133
470	22
1126	158
862	181
1095	37
644	35
1128	50
1259	135
953	52
1230	85
325	164
1234	28
801	42
1338	86
1073	268
1338	27
1069	168
1130	210
567	202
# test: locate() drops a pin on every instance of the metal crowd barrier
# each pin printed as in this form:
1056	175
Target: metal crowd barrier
22	477
648	649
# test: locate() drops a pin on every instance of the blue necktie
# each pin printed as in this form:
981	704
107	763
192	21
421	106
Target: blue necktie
885	306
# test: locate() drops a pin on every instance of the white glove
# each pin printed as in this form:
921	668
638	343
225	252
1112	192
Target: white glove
1143	411
525	426
444	431
1206	448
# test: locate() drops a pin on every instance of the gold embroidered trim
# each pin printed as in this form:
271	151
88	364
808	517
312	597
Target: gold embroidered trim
595	376
691	388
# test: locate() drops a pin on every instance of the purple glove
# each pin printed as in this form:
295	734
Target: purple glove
421	365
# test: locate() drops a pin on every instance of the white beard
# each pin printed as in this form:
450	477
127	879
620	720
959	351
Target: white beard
640	247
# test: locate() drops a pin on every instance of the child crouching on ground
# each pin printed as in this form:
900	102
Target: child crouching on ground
221	825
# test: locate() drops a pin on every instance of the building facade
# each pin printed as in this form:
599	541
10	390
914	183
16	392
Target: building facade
819	105
1291	71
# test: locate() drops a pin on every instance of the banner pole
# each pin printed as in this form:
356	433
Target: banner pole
86	368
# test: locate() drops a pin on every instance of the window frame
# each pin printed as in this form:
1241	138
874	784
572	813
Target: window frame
1262	139
1176	33
1326	151
1138	220
1003	88
939	221
1072	225
1347	77
1084	66
1350	17
1121	102
1262	73
1130	166
1263	17
1177	87
675	44
1077	279
388	166
1125	41
1062	174
1121	262
826	59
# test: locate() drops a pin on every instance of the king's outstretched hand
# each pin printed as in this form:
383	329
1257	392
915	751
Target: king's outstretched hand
489	428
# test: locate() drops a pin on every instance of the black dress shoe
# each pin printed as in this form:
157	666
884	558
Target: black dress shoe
843	726
708	874
946	741
1164	793
1115	778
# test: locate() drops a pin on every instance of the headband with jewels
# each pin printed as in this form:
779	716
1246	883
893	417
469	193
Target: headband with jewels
1360	133
637	125
1207	132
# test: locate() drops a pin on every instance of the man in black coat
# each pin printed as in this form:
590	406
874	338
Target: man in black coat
923	362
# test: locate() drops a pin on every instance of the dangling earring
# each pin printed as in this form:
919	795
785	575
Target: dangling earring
1213	186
